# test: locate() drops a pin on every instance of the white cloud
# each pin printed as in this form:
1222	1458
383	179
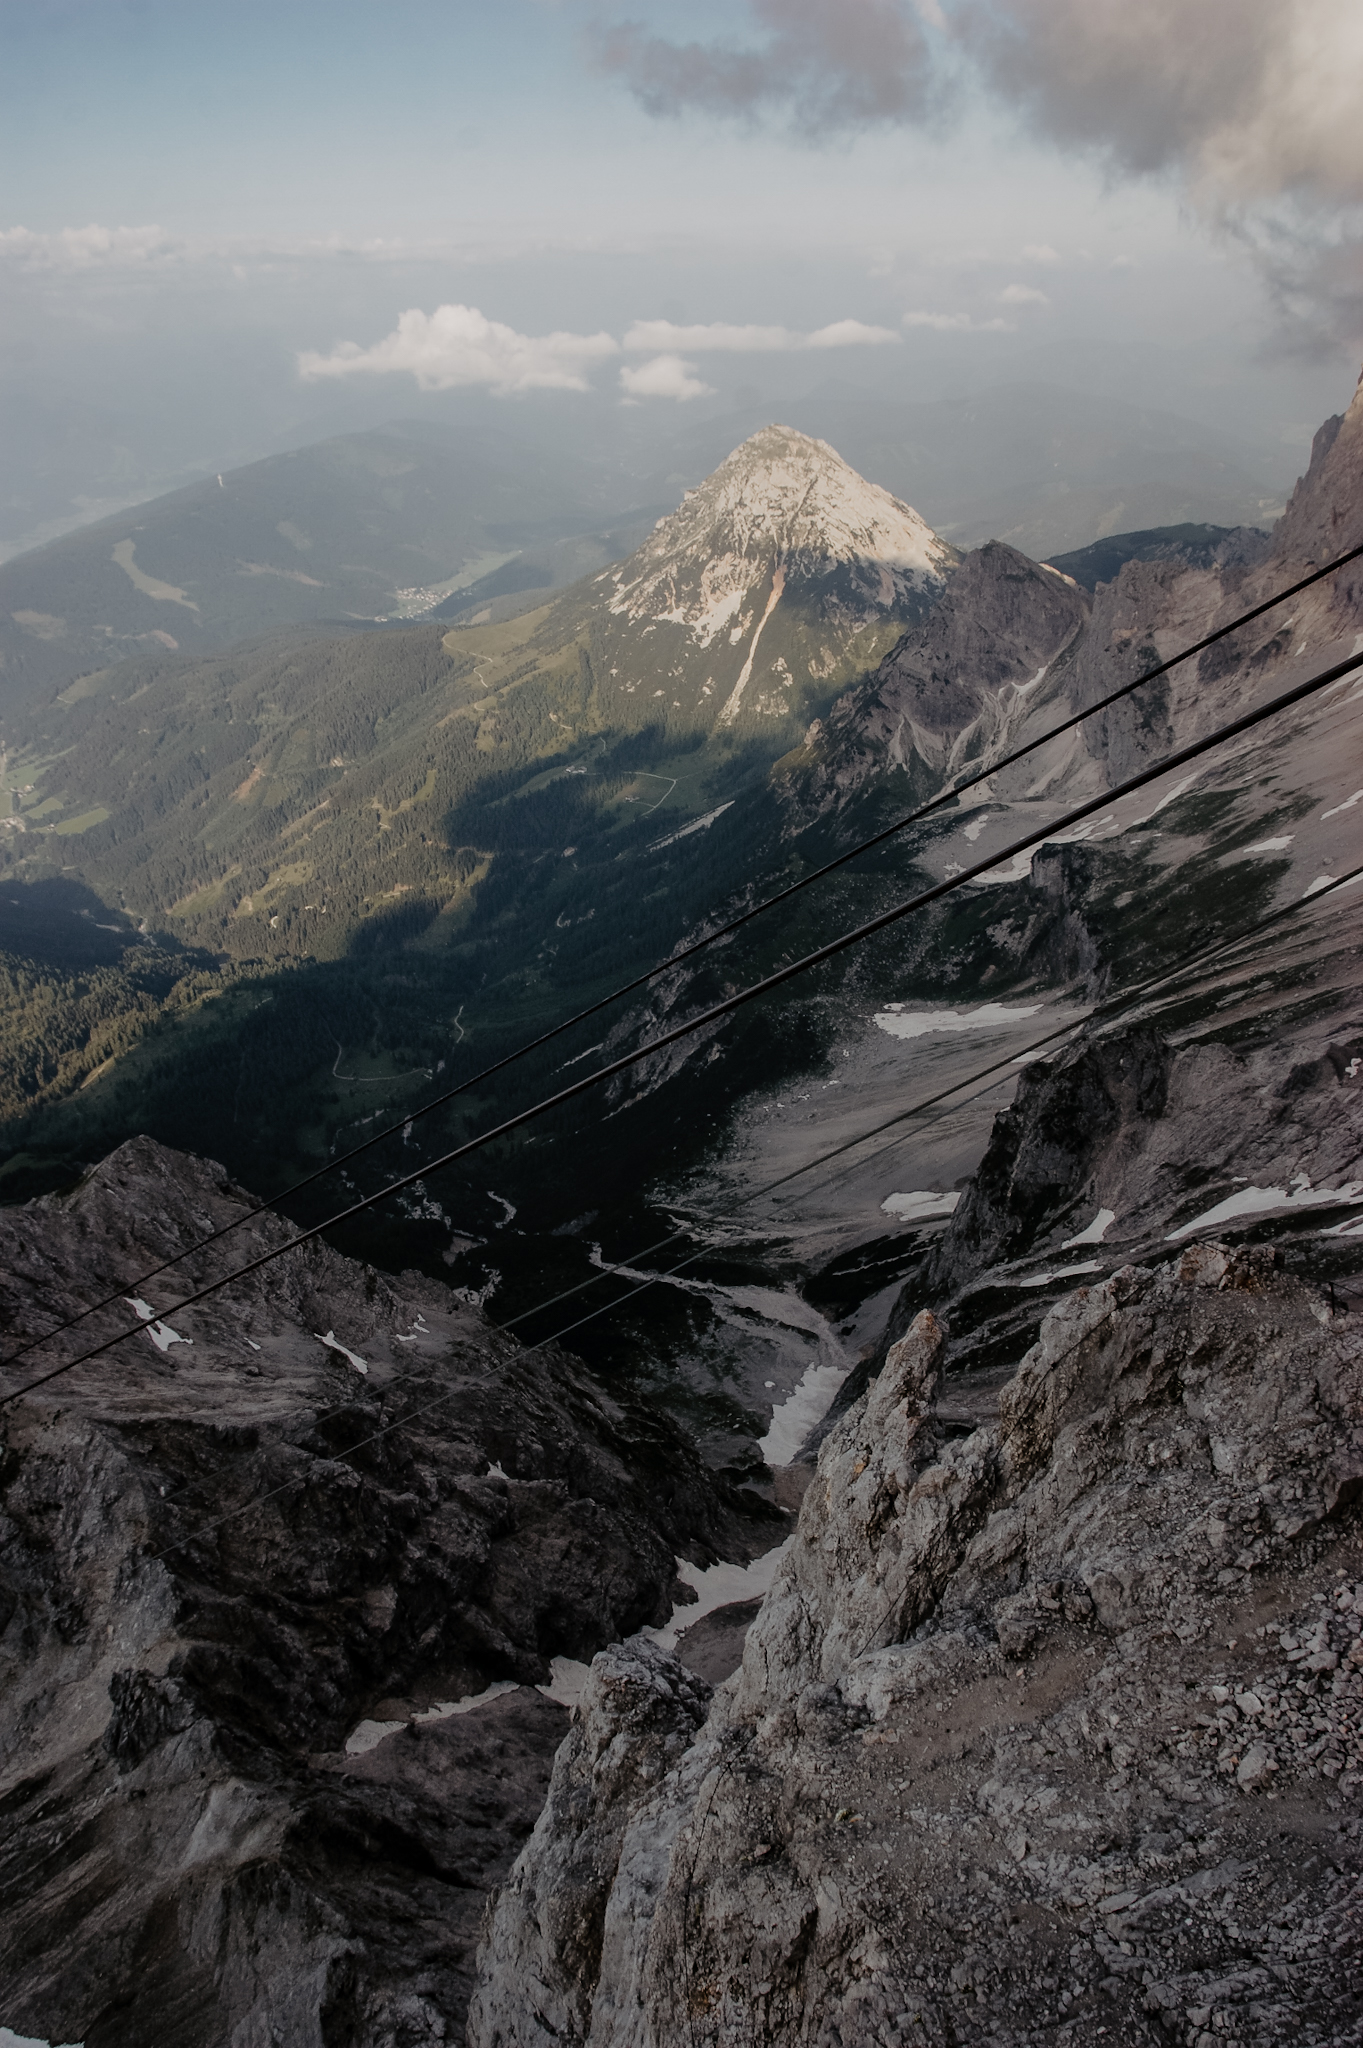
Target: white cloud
668	376
1040	252
668	335
849	334
88	247
717	335
1022	295
957	323
459	346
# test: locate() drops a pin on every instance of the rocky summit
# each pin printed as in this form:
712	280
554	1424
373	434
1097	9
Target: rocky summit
784	521
1050	1728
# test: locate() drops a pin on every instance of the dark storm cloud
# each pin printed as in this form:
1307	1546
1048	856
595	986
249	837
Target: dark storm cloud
829	64
1251	105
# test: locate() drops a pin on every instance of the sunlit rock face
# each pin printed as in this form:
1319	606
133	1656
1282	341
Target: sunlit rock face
779	570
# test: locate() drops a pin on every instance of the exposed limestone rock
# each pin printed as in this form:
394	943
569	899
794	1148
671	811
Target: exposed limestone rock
639	1712
936	697
1014	1754
219	1557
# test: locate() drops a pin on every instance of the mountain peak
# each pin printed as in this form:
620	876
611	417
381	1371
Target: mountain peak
783	506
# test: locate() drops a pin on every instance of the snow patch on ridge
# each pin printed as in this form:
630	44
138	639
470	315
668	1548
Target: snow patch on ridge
900	1022
333	1343
1254	1201
915	1208
720	1585
1095	1231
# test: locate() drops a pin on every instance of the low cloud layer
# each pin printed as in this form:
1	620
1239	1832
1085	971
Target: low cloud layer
87	248
1252	105
753	340
459	346
957	323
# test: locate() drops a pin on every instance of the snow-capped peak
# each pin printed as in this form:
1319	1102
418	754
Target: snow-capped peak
782	499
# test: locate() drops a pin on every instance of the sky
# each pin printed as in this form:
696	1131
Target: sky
227	230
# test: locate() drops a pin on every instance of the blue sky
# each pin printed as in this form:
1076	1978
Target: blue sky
270	182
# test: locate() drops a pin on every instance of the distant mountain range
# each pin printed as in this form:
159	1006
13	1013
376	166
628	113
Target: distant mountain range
470	792
375	846
422	520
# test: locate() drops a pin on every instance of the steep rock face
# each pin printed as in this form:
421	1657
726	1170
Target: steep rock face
1002	622
639	1712
780	500
1045	1147
318	1496
1056	1732
1130	1140
781	575
1323	515
959	687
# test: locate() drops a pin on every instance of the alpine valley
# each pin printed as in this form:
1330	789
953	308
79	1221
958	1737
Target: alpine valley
849	1531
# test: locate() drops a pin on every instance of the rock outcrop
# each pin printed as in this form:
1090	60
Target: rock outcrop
320	1496
1049	1730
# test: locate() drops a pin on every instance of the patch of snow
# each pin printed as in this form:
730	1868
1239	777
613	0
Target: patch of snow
977	825
1015	870
696	825
579	1056
1350	1227
1170	796
9	2039
799	1413
143	1309
333	1344
1347	805
730	711
1252	1201
902	1023
567	1681
916	1207
717	1586
1270	845
496	1472
1061	1273
1095	1231
1329	882
162	1336
510	1208
443	1710
367	1735
253	1344
1022	688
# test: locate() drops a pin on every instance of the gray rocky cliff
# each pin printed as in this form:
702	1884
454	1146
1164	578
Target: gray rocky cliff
543	1960
1013	646
226	1542
1042	1731
936	697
